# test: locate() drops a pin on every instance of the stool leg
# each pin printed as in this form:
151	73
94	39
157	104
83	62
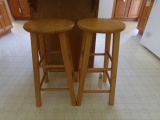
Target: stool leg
70	58
81	56
115	51
88	42
67	64
43	54
106	57
34	45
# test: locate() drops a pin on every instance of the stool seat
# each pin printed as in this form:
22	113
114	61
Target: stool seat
100	25
48	26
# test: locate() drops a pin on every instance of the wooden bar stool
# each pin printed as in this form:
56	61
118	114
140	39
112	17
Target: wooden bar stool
38	29
91	26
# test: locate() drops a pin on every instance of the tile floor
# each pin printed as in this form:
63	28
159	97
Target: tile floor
137	92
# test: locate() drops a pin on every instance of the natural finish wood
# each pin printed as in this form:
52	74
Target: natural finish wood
120	10
66	54
144	16
38	29
54	89
43	54
44	78
106	56
83	69
115	51
70	9
5	23
19	9
36	73
135	8
81	55
52	66
48	26
96	91
108	77
127	9
99	25
25	9
98	69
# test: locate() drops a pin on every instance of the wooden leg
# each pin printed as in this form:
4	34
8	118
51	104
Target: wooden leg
115	51
34	45
81	56
43	54
67	64
70	58
85	60
106	58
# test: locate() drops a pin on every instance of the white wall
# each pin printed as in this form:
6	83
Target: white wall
105	8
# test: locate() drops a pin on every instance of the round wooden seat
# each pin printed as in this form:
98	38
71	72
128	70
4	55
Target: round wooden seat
100	25
48	26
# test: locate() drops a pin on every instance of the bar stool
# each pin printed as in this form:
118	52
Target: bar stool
91	26
38	29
